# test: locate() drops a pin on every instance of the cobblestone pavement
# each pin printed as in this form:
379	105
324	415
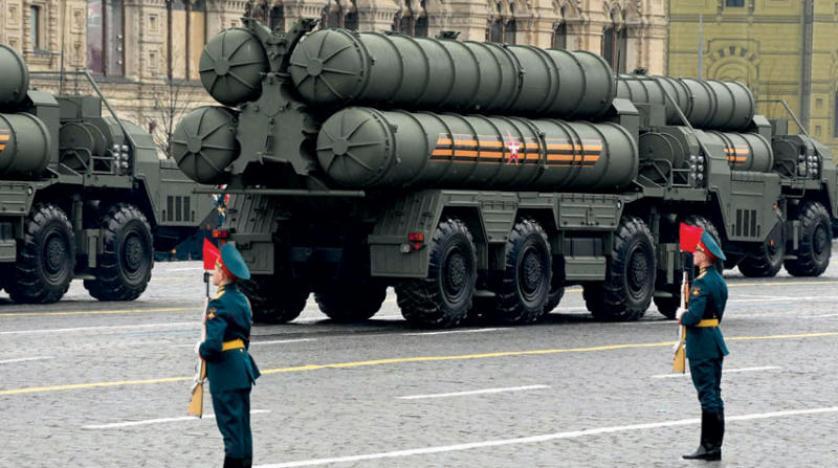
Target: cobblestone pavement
566	392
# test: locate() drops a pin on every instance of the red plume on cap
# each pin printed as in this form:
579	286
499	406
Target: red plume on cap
210	254
689	237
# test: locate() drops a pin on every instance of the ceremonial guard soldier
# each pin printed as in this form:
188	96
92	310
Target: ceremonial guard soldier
705	345
230	369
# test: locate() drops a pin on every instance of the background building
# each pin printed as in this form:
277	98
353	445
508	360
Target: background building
145	53
629	33
783	49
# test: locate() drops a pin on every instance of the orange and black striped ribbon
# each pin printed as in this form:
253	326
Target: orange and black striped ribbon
556	151
5	136
738	154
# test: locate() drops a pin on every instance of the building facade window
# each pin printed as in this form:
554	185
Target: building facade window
277	18
510	29
36	27
734	3
615	46
422	23
351	20
559	40
835	117
332	15
502	26
186	33
106	37
412	19
405	22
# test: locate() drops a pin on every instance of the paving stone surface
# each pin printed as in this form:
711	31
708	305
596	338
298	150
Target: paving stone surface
584	381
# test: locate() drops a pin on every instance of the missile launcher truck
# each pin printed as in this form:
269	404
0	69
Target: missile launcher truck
482	179
82	194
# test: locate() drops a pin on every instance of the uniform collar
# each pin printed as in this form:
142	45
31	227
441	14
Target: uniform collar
224	288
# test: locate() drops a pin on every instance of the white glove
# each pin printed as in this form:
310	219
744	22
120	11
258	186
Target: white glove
680	313
198	347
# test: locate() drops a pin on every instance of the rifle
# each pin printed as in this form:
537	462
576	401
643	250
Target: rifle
196	404
679	361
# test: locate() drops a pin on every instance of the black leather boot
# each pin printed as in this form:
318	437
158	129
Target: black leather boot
230	462
717	436
703	447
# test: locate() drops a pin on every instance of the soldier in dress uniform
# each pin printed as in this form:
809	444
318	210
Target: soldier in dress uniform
230	369
705	344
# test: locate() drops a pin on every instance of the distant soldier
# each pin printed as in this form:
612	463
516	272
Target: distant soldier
706	347
230	369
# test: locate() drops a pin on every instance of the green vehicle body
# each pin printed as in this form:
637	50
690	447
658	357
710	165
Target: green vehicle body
481	180
83	194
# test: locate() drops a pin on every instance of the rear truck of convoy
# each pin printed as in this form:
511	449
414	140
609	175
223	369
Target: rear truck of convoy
82	194
482	179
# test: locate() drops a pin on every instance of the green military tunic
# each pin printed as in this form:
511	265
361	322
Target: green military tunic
706	346
231	373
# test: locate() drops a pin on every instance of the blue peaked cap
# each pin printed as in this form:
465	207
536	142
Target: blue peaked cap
711	245
233	261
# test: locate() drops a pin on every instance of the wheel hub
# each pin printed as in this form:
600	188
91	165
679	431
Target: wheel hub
133	253
455	272
531	272
54	255
820	242
638	271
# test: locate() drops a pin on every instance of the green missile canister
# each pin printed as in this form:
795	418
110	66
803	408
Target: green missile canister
707	104
361	147
335	67
745	151
232	65
204	143
24	145
15	80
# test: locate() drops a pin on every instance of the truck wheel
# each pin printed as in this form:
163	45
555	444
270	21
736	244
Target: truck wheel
274	300
766	261
668	306
630	279
525	285
554	298
46	259
124	267
815	245
444	298
352	301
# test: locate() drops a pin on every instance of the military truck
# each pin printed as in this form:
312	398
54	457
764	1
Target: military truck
83	194
482	179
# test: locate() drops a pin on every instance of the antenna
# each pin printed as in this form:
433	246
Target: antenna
700	46
63	41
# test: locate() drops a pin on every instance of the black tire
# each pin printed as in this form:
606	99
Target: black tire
815	245
444	298
352	301
767	259
46	257
524	288
124	267
273	300
630	277
554	298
